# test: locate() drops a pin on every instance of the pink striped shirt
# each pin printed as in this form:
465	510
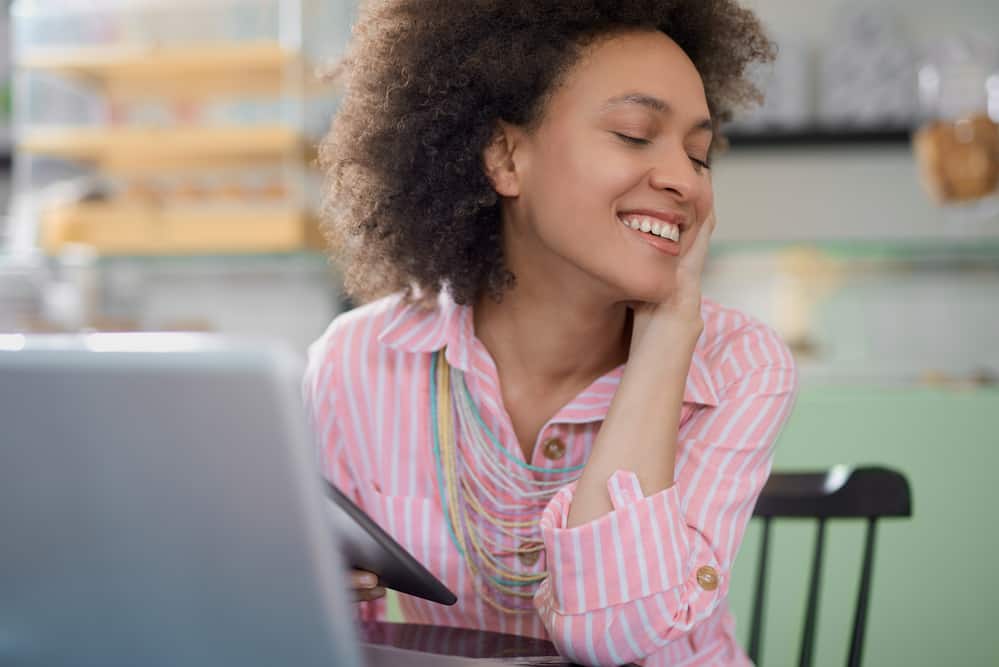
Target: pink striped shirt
629	586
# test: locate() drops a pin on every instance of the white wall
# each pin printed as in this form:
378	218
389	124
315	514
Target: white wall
842	193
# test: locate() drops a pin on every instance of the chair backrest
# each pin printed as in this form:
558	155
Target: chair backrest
841	492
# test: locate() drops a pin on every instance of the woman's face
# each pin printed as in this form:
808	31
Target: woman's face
623	141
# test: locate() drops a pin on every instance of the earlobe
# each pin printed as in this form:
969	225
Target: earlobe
498	162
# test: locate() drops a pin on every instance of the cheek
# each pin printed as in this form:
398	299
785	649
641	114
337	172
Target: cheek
583	174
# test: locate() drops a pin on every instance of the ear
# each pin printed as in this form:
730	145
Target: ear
498	160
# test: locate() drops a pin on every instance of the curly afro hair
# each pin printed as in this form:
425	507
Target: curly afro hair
408	206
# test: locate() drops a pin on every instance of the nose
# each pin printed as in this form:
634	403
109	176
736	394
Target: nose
675	172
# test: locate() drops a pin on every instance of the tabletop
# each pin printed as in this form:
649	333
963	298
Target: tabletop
462	642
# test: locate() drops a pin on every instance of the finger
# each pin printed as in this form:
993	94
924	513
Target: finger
706	232
362	579
368	594
699	249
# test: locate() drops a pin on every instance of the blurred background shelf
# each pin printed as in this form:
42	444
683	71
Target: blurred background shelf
203	262
257	68
933	249
155	62
133	229
820	138
150	148
163	171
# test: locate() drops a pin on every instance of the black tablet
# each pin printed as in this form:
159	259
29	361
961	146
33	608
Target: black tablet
367	547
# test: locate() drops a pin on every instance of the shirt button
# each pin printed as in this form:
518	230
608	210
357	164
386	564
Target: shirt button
707	578
529	558
554	449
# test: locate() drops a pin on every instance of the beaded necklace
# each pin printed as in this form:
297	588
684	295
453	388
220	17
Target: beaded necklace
472	472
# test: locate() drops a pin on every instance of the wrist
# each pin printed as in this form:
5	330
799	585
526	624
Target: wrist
655	379
672	342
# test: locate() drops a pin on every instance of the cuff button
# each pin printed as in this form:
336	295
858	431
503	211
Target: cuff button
707	578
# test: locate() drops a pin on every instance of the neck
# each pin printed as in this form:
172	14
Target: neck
557	328
554	336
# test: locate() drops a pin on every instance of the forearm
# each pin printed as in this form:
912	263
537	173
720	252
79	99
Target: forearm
640	431
659	563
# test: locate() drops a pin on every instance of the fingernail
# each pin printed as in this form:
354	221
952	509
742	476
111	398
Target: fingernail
368	580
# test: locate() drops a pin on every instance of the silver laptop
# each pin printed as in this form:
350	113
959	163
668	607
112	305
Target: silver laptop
160	505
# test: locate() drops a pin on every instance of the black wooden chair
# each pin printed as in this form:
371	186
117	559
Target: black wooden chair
841	492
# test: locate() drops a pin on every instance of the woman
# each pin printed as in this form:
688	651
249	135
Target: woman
537	402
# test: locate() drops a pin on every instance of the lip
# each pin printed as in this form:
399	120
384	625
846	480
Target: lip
664	246
672	217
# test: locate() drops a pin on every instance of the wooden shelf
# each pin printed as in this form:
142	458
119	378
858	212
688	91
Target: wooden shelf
134	229
191	71
821	138
152	148
151	229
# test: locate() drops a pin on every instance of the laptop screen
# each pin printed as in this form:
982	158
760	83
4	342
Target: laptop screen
159	506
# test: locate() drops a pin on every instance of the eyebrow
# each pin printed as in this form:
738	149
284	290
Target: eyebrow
653	103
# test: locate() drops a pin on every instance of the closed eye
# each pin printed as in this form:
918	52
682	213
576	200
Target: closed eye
637	141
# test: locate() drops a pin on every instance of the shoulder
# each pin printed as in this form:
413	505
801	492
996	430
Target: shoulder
729	331
360	322
347	339
735	345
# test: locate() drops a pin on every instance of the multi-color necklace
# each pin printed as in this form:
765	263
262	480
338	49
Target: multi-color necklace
488	493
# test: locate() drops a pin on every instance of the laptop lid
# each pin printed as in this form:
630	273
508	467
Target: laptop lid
159	505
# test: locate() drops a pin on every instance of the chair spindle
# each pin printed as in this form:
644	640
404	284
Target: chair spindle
811	611
759	596
863	595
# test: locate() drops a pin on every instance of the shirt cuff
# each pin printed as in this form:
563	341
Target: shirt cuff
638	549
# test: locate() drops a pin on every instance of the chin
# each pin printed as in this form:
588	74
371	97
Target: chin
651	291
644	280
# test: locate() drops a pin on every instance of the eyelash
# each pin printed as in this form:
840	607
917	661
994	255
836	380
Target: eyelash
635	141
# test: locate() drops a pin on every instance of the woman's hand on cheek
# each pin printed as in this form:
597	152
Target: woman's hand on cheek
677	319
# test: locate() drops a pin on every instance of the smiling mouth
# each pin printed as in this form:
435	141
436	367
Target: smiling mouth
650	225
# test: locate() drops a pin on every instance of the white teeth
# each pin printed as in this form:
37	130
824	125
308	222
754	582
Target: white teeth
653	226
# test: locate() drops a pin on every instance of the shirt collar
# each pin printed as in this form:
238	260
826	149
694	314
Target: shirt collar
416	328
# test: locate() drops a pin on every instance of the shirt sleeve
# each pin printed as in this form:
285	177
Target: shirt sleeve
319	398
662	562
